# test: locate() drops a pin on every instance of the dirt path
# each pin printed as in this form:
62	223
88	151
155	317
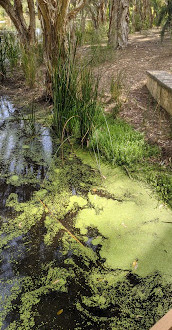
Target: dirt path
144	52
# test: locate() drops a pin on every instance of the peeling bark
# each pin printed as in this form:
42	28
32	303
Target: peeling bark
97	11
15	12
32	21
54	18
118	23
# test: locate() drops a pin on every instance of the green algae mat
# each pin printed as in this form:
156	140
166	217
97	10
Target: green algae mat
136	226
91	249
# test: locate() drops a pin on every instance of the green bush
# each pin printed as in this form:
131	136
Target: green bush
120	144
3	57
13	51
165	18
9	52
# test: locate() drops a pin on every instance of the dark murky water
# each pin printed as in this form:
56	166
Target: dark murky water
21	156
26	262
24	157
16	151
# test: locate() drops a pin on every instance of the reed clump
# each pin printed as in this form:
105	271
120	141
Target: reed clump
75	99
31	59
9	53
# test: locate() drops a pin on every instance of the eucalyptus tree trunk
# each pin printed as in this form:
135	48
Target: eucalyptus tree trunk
97	10
55	16
118	23
14	10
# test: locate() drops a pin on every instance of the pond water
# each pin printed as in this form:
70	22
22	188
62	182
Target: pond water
77	250
20	155
25	160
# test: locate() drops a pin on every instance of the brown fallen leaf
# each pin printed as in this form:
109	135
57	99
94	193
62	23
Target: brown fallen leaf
60	312
20	224
100	279
135	264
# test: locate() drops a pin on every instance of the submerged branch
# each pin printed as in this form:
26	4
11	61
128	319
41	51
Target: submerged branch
53	215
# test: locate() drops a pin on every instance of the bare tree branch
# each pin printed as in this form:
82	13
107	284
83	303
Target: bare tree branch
15	12
75	11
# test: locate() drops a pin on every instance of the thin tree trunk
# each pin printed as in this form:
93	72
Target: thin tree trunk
32	22
123	23
113	24
54	19
15	12
137	16
102	15
118	25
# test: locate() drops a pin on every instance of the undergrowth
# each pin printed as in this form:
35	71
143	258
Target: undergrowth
159	177
9	53
75	99
31	59
120	144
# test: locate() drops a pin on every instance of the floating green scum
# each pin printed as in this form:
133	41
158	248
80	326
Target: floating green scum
119	278
82	244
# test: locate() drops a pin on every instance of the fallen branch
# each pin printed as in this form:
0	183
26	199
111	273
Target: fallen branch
53	215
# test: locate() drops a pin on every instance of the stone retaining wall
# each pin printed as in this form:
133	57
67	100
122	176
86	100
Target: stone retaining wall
159	84
165	323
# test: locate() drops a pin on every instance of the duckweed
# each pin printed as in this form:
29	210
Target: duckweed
116	221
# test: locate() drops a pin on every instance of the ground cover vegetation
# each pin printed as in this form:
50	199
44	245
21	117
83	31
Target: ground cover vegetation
63	256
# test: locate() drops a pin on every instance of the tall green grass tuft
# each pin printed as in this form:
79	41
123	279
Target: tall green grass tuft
120	144
87	97
29	65
9	52
75	99
64	94
30	121
13	49
3	55
31	59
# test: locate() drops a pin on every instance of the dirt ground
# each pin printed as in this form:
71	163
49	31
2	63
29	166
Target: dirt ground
144	52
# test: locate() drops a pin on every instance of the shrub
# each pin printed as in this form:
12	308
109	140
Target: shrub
120	144
9	52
